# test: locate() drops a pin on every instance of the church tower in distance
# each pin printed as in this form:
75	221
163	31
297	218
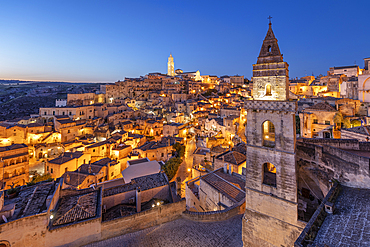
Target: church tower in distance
271	214
170	66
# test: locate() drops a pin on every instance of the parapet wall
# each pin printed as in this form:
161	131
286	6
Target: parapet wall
338	143
219	215
32	230
267	105
310	231
348	168
142	220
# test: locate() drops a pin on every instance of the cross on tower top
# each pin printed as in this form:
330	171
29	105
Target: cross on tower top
269	19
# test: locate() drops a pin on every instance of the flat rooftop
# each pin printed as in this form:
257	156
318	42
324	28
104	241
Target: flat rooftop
350	223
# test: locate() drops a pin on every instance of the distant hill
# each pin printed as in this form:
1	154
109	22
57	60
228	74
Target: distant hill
39	82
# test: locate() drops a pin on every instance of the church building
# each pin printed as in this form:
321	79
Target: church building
271	215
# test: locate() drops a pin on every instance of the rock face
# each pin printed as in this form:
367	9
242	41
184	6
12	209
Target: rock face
270	217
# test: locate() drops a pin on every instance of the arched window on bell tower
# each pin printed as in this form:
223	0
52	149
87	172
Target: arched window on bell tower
268	90
269	48
268	134
269	174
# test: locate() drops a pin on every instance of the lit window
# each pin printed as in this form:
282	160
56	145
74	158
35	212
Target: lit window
269	174
268	134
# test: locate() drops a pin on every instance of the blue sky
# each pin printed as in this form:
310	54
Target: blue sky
105	41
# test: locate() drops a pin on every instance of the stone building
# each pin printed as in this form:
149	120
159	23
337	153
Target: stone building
270	218
364	82
233	159
214	191
317	121
68	161
14	165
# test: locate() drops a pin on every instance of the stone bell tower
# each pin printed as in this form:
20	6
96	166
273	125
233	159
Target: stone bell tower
170	66
270	73
271	215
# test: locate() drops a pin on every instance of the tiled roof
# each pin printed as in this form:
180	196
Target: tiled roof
74	178
232	157
224	187
323	106
234	179
73	208
365	130
12	147
31	199
241	148
218	149
144	183
67	156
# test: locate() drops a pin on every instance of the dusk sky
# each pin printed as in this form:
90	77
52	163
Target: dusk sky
106	41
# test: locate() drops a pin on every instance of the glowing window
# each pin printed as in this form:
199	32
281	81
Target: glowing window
268	90
268	134
269	174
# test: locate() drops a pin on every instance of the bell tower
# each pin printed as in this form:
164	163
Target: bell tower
170	66
271	215
270	73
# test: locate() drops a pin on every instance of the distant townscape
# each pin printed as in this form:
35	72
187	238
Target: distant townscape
286	160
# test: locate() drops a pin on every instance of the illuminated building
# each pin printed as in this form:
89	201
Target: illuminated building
170	66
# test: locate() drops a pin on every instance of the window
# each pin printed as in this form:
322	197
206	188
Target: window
93	150
327	122
315	121
162	154
102	148
269	48
268	134
112	174
44	113
269	174
47	168
53	112
66	169
69	131
268	90
51	170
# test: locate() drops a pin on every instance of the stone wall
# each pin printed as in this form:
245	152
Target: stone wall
33	230
309	232
218	215
162	192
142	220
210	197
260	230
339	143
327	162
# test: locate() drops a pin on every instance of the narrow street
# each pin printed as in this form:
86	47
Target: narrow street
183	172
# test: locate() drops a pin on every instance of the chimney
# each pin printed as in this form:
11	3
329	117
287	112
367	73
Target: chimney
225	168
138	200
230	169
